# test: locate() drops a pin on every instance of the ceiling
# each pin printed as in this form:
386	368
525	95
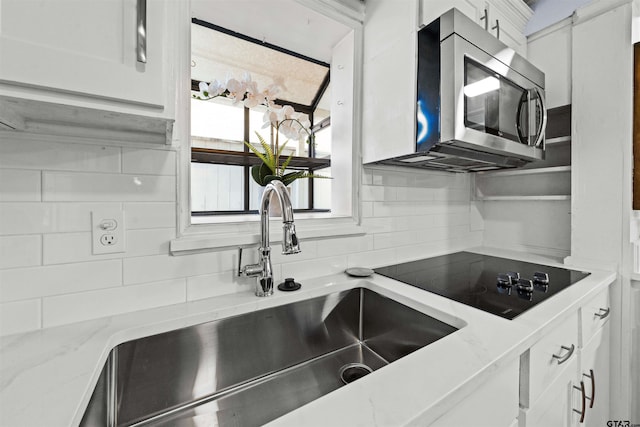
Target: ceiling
284	23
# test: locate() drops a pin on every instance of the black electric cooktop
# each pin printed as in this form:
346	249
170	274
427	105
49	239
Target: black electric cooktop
501	286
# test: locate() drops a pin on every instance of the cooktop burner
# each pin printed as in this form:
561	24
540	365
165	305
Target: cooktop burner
501	286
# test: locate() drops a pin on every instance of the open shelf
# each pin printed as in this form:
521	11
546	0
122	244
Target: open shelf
524	198
242	158
514	172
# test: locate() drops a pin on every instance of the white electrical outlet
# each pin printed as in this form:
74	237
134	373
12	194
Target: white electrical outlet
107	231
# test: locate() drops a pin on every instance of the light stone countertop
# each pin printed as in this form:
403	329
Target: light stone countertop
47	376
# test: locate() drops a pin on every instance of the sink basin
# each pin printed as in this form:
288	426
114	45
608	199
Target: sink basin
250	369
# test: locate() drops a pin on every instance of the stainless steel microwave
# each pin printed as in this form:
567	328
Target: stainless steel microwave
480	105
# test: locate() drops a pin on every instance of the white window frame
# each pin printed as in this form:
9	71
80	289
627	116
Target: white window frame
244	230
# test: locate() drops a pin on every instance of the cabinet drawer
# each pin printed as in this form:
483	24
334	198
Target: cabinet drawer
547	359
594	313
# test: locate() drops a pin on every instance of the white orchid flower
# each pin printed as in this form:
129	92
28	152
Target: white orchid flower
216	88
271	92
204	87
237	90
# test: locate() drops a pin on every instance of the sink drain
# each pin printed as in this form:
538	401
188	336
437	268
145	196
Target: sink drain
353	371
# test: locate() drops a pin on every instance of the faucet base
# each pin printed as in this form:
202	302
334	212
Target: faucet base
264	286
264	294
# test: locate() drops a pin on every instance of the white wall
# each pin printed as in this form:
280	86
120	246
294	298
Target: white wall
49	186
548	12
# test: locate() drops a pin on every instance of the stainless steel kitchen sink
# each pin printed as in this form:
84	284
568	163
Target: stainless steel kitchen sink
250	369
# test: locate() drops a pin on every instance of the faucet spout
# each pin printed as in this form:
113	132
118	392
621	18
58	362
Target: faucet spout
290	244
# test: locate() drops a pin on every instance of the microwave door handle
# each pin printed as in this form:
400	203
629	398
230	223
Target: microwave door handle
543	123
525	101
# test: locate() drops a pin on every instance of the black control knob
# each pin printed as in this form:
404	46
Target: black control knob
541	278
541	281
525	289
525	285
504	283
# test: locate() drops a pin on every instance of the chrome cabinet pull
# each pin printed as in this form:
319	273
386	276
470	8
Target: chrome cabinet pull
497	28
485	18
603	313
584	401
141	30
593	387
562	359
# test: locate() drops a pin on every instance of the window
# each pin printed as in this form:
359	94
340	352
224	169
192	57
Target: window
330	31
221	182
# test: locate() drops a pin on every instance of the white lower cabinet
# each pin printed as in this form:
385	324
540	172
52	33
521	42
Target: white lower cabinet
594	373
569	387
554	406
494	404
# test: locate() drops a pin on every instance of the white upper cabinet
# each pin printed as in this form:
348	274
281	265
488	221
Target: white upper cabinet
550	50
505	19
107	55
85	47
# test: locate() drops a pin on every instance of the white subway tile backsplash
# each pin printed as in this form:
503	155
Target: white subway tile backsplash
415	194
153	241
86	187
49	189
20	251
59	310
150	162
36	218
392	178
425	250
421	222
56	156
150	215
61	248
397	238
21	316
20	185
382	209
372	259
431	179
26	283
377	193
164	267
367	178
346	245
378	225
212	285
314	268
367	209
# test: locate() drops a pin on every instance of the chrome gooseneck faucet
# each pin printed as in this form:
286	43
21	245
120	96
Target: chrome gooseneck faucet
263	270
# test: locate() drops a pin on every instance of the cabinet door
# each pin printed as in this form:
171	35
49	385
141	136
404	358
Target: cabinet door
595	374
431	9
555	405
502	28
85	47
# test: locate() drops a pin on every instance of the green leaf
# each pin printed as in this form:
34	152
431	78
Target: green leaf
257	152
292	176
283	168
255	174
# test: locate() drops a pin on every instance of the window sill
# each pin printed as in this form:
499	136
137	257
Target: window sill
204	237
